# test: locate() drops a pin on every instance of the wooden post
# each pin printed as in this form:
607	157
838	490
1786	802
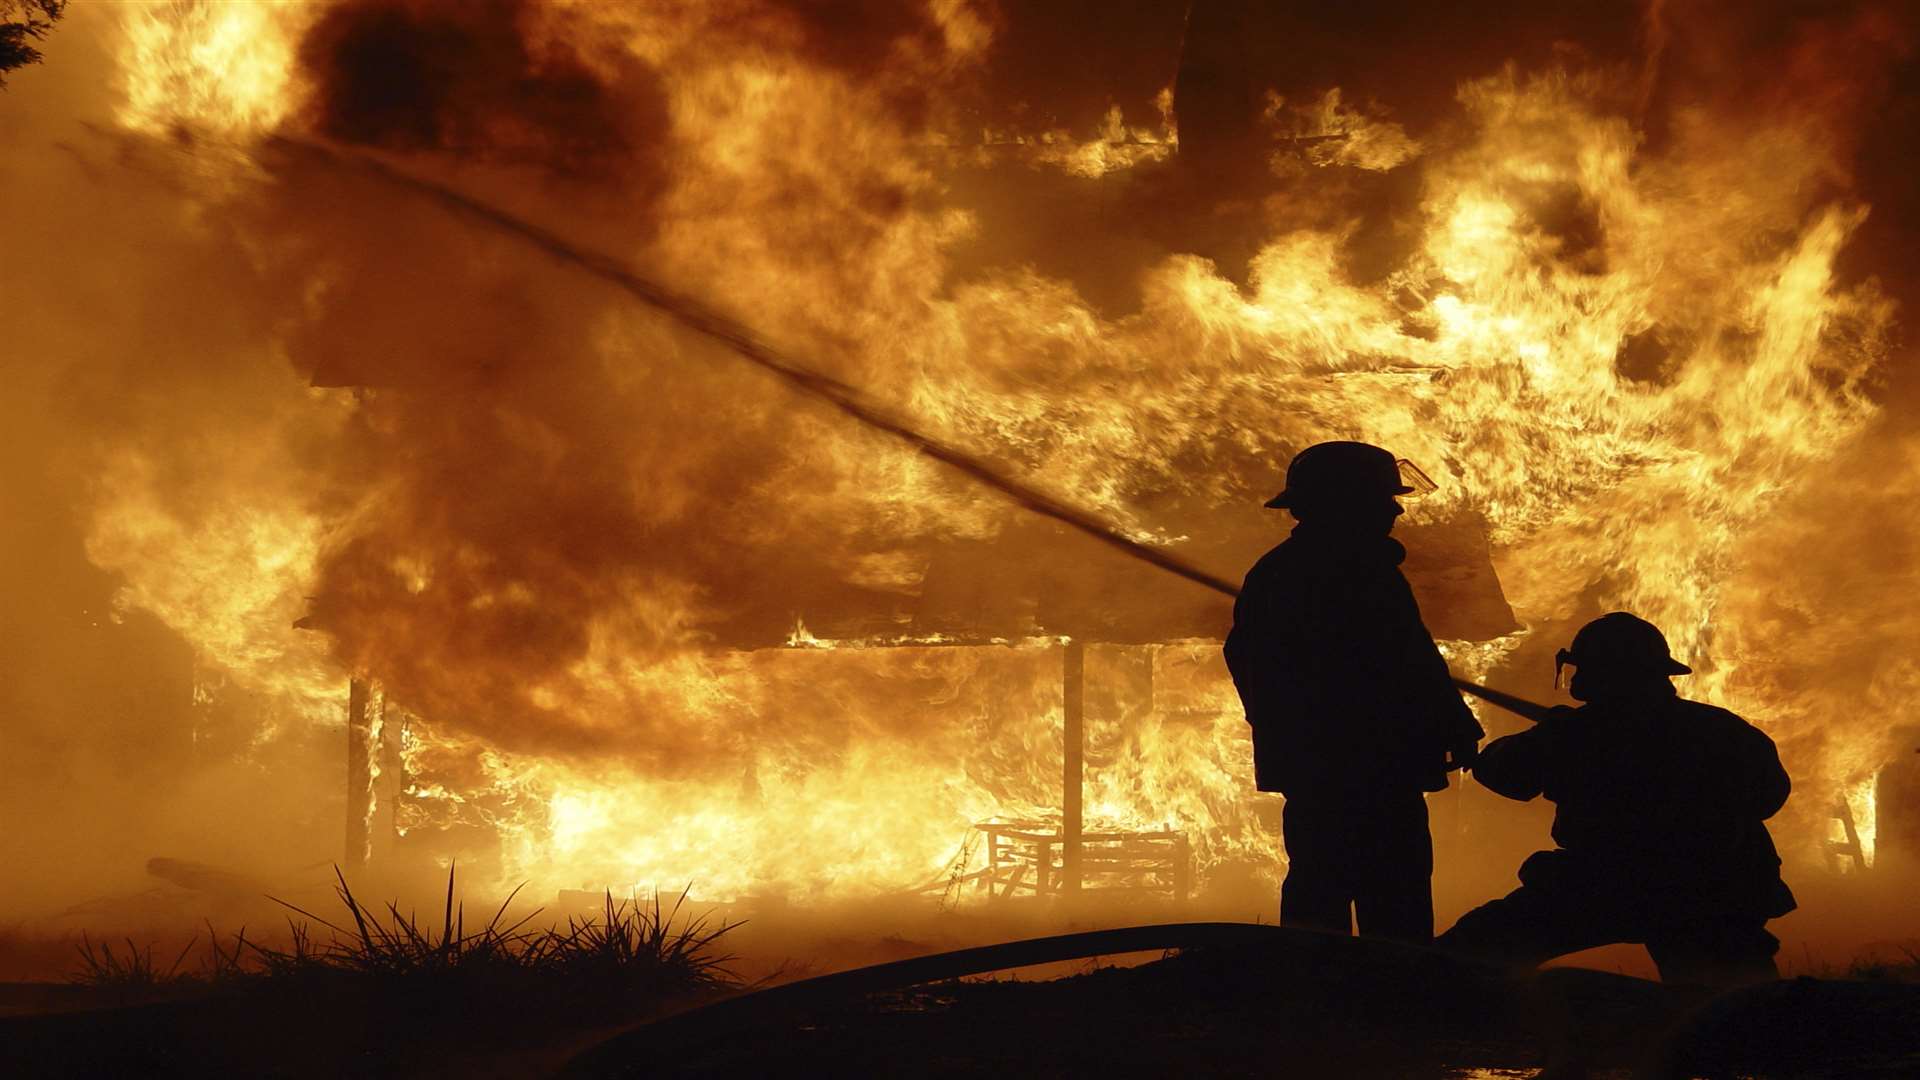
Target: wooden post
384	830
1849	847
1073	762
993	866
363	712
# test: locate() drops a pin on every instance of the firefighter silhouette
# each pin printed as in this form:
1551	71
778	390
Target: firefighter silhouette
1660	806
1353	712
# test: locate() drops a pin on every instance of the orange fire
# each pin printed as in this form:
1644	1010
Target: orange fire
525	505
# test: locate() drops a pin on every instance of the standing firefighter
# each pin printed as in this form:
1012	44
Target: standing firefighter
1659	821
1354	715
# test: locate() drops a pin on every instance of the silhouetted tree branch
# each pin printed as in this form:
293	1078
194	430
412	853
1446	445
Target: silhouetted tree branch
21	23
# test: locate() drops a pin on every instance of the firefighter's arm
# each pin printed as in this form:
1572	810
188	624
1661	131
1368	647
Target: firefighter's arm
1514	766
1250	676
1268	651
1766	782
1459	730
1271	690
1263	669
1464	731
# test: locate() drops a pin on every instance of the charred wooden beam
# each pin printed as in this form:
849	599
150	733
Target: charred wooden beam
1073	763
206	879
364	708
390	779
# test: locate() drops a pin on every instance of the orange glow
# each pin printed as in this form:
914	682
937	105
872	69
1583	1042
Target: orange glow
222	69
576	710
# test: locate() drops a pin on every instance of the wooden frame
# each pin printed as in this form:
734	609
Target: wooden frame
1024	861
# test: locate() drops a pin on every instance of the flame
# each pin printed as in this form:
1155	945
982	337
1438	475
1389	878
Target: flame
219	68
1115	147
825	802
1624	359
224	557
1330	132
1859	800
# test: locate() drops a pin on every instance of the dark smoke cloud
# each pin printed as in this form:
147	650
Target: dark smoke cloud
503	90
556	460
858	37
487	80
1062	65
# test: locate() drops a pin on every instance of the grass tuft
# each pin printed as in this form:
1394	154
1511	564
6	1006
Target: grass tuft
1882	968
644	945
103	968
398	945
633	956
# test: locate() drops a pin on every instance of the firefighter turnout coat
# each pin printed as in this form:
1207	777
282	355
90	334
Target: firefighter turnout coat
1343	686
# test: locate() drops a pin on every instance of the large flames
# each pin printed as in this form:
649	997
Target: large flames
524	505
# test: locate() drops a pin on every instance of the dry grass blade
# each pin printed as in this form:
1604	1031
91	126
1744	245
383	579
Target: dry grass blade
642	947
632	955
102	967
225	964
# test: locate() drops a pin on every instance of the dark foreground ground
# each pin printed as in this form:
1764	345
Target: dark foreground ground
1294	1005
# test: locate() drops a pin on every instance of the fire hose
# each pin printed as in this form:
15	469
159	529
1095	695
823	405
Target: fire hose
743	342
712	324
644	1048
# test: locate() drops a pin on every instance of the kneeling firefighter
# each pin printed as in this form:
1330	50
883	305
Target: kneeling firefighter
1659	821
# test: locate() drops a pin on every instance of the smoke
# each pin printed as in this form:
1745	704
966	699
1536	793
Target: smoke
489	81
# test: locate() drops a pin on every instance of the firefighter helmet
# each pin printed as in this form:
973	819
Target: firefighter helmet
1345	470
1618	641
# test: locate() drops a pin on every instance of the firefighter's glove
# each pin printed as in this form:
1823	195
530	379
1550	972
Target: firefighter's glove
1560	716
1463	756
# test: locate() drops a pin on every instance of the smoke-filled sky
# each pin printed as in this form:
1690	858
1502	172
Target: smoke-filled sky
1630	281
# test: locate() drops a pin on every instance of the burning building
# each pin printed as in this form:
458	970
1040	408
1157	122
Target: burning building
432	328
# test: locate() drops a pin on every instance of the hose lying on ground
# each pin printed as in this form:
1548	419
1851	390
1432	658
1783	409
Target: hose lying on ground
630	1051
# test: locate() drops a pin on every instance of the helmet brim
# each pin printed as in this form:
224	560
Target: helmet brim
1286	499
1672	667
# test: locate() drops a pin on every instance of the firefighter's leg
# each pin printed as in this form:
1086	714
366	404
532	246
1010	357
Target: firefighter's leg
1530	925
1394	895
1316	893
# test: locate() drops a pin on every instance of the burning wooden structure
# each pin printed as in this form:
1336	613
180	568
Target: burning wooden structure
982	595
1020	861
535	476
